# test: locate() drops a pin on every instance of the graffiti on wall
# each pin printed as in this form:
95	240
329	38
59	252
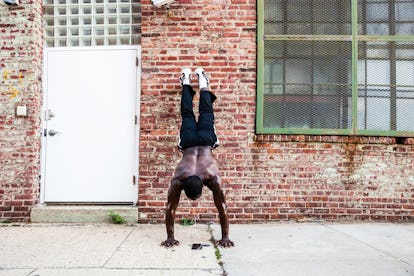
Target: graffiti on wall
12	90
9	89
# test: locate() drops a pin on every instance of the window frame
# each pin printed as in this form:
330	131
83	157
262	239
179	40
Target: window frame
355	40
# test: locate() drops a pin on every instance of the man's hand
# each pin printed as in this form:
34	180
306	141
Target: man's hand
225	243
173	199
220	203
170	243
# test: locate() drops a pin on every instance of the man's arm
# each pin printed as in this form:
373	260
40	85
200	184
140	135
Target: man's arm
220	202
173	199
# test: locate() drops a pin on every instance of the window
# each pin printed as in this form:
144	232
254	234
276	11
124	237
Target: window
71	23
336	67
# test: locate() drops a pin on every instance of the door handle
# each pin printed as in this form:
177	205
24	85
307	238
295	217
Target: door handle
50	114
53	132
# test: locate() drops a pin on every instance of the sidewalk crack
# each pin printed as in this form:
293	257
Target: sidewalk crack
33	271
118	247
216	250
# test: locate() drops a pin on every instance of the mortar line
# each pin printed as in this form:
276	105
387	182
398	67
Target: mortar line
118	247
369	245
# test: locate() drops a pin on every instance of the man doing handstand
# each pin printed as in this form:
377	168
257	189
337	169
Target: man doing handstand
197	167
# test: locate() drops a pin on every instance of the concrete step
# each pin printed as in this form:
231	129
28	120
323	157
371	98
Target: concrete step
81	214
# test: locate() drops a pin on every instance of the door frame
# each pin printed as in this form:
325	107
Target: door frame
44	108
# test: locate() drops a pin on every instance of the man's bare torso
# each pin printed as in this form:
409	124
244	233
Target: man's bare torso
197	161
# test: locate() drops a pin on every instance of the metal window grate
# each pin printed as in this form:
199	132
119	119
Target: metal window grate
383	17
304	17
71	23
306	84
336	67
386	85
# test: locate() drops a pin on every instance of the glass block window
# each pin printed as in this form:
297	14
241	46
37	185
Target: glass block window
336	67
71	23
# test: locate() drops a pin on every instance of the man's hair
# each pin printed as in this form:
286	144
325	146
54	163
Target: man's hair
193	187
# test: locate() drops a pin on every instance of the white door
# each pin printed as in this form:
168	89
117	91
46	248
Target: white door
90	138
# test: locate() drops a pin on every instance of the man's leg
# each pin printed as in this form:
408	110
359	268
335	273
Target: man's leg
205	127
188	130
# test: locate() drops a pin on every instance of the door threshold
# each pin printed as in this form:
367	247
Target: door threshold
88	203
64	213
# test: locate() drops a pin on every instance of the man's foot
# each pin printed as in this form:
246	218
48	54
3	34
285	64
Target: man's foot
203	80
185	76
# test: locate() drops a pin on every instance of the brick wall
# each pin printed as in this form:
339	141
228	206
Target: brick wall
266	177
20	83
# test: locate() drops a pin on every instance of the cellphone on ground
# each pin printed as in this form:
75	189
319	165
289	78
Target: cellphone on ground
197	246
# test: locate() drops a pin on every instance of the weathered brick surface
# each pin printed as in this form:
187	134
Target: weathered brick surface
20	83
266	177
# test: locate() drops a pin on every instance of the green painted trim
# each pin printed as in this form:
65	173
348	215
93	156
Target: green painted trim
386	133
336	132
309	37
340	37
260	66
313	131
354	65
402	38
354	38
293	131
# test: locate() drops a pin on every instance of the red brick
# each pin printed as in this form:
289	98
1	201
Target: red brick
266	177
19	137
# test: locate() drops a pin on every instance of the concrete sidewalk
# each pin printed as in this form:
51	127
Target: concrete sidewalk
47	249
320	249
261	249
